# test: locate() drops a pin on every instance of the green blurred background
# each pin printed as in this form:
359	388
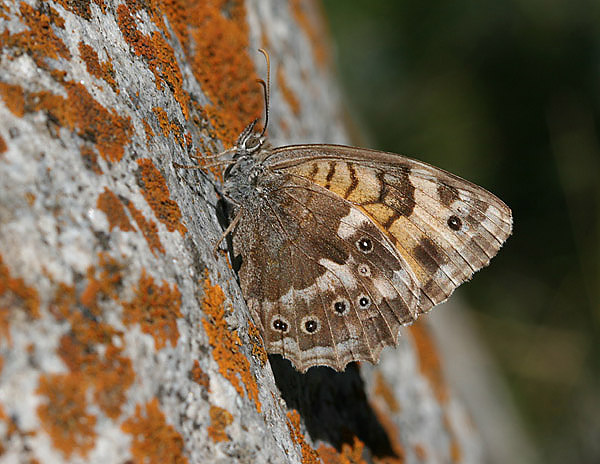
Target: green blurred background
505	94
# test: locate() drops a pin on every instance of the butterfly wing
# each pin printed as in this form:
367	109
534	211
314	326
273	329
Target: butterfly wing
325	283
445	228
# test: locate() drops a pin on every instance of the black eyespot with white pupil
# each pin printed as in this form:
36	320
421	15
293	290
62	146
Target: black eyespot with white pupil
311	326
364	270
364	244
341	307
454	222
280	325
364	301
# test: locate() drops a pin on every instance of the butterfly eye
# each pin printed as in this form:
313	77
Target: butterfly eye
341	307
364	270
280	325
310	324
364	301
364	244
253	143
454	222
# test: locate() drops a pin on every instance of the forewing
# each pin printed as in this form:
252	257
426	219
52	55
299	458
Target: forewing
444	227
324	282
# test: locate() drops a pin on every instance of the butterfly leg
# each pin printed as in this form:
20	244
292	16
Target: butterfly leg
183	166
203	167
231	226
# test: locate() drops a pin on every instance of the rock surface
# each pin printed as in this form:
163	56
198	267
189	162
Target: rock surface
122	338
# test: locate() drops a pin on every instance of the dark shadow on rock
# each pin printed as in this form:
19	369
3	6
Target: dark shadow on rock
333	405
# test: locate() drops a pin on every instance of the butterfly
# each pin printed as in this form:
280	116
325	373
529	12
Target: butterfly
341	246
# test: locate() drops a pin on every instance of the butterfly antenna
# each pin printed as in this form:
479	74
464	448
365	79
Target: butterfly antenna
266	89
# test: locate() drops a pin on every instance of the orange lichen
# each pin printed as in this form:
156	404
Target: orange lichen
39	40
393	435
158	54
163	120
309	16
154	441
383	390
109	374
199	376
219	420
30	197
455	448
14	291
258	349
102	284
110	205
14	98
3	146
103	71
55	17
420	452
87	348
155	191
148	130
156	309
79	347
233	365
64	300
15	295
112	376
80	112
329	455
148	227
309	455
80	8
214	36
288	93
169	127
349	454
63	415
429	360
4	11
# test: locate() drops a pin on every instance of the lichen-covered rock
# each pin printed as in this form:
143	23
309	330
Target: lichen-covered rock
122	338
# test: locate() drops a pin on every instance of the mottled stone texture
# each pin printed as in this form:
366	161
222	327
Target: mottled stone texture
122	339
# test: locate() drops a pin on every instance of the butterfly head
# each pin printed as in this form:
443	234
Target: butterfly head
249	142
246	158
244	174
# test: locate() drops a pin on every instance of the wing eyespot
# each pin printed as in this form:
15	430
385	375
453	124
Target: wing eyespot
310	324
364	270
364	301
364	245
280	325
454	222
341	307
